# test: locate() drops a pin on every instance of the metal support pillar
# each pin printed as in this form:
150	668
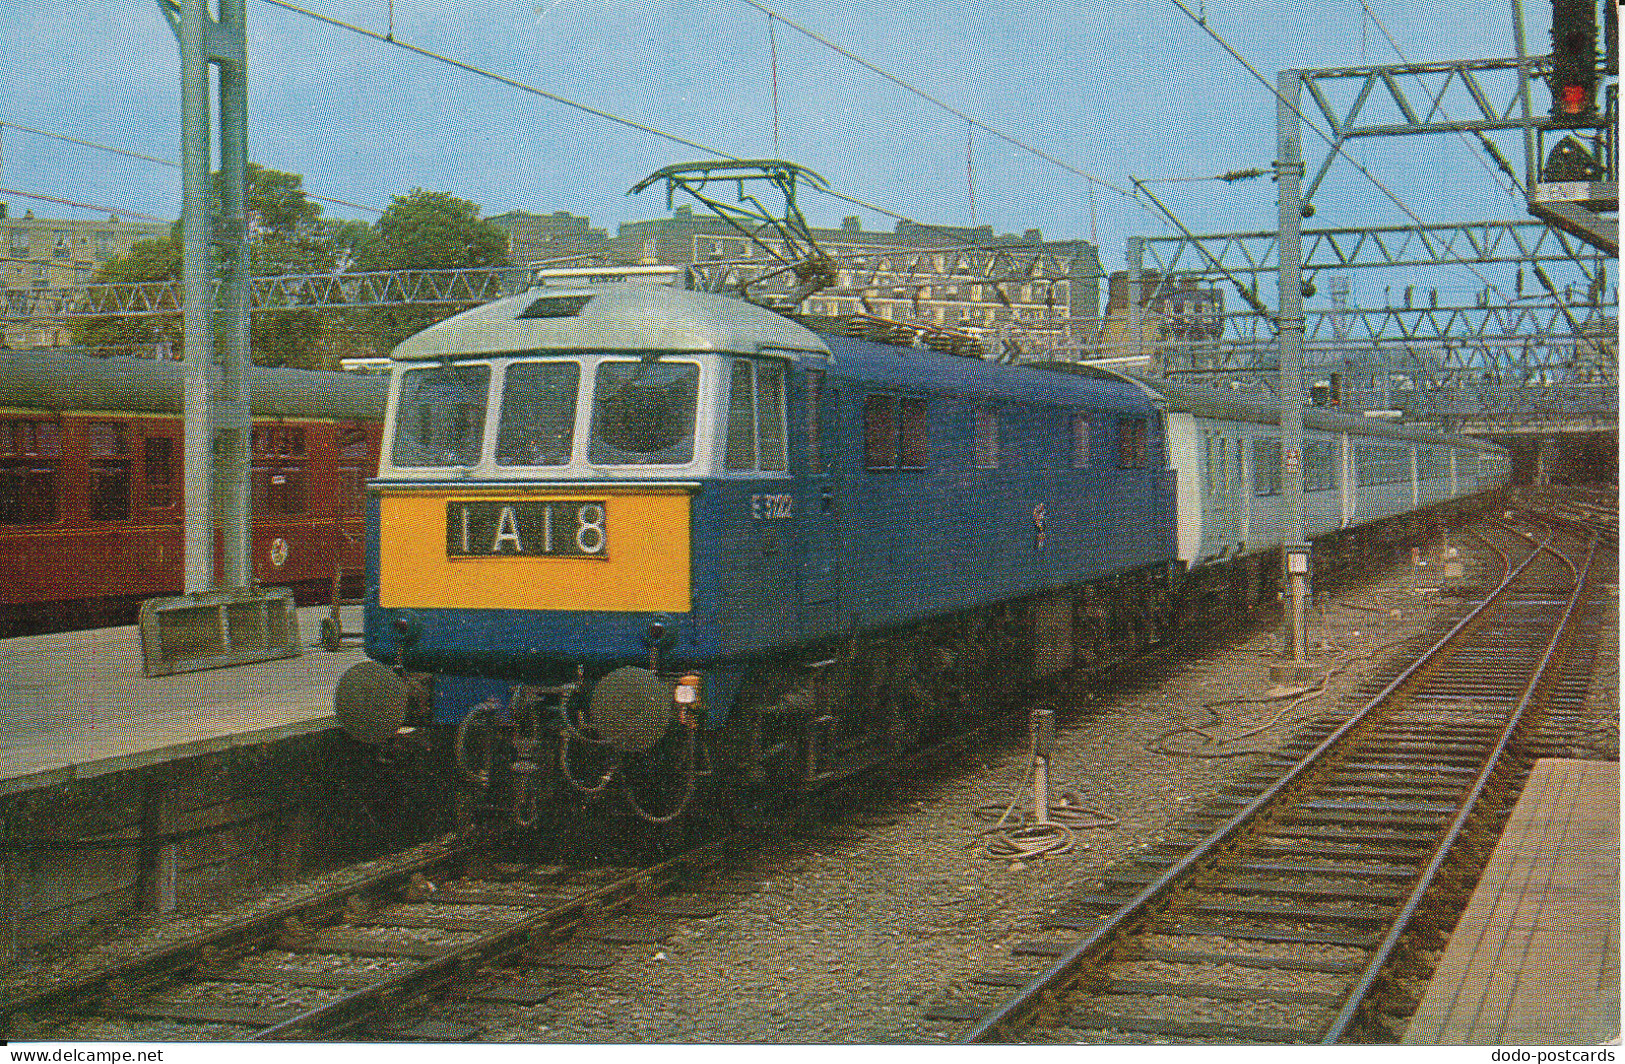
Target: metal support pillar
198	469
216	409
1294	666
219	621
232	420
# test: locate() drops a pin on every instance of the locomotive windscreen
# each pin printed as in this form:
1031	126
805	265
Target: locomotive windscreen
441	418
643	413
538	413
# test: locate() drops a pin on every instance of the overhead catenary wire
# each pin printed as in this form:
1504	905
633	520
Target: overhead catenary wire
160	161
1517	189
1337	146
922	94
718	153
83	206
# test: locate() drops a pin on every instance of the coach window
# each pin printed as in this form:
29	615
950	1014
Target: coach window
29	453
352	468
643	413
756	437
1080	441
987	438
109	471
278	475
1266	467
1131	442
158	471
538	413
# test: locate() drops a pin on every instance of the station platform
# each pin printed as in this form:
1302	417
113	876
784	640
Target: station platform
74	705
1535	958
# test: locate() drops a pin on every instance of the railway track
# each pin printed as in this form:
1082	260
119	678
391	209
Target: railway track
1299	909
376	959
355	959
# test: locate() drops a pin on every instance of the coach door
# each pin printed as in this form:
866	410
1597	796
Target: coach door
819	516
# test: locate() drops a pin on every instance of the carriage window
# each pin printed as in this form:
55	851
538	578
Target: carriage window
277	477
1131	442
1317	467
353	468
1266	467
643	413
29	453
1080	441
987	438
441	420
538	413
158	470
109	471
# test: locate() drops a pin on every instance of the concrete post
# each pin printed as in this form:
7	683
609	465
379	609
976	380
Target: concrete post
198	467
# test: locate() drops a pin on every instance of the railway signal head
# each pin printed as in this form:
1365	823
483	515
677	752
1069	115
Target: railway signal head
1574	63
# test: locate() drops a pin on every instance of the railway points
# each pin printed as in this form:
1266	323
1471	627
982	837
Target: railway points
627	954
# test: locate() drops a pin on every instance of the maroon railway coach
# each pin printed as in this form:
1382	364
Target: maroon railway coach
91	492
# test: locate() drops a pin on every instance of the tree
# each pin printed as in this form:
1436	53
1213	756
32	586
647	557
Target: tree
287	235
427	231
148	260
432	231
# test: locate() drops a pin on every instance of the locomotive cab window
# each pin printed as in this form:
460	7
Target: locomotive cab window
756	438
643	413
441	419
538	413
1131	442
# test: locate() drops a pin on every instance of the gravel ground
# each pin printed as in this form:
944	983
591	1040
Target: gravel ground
848	940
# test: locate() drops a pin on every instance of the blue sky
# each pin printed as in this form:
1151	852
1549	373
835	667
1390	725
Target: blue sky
1116	87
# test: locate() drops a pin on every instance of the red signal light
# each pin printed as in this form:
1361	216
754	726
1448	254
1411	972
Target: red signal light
1574	99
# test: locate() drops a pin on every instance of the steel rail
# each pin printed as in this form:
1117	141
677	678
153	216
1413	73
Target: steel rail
1356	999
344	1012
174	958
1036	993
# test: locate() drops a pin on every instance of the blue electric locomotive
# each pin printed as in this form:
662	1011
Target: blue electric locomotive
629	536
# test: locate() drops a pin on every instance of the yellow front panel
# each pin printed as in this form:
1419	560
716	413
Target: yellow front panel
645	568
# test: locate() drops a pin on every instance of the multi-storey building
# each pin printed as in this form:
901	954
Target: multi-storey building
534	238
1022	289
60	253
